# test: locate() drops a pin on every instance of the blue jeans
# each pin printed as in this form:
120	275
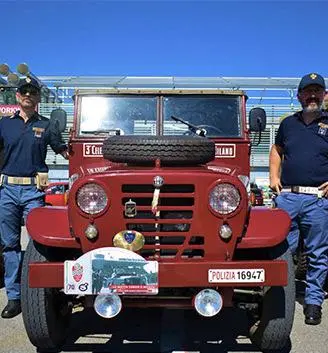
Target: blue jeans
309	216
16	201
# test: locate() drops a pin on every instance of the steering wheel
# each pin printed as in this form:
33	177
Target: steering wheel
211	127
207	128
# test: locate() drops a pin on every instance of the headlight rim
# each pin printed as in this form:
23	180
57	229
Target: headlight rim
225	215
98	183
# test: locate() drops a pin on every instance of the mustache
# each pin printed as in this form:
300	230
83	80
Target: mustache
312	100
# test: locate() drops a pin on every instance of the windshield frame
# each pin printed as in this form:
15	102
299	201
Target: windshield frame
159	95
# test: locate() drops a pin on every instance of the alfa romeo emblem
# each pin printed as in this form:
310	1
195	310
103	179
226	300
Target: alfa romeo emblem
77	272
158	181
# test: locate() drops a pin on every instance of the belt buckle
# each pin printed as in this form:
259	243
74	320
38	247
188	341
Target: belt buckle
14	180
309	190
26	181
19	180
295	189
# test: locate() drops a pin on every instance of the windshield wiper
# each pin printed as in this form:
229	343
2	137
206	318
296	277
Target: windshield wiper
193	128
98	132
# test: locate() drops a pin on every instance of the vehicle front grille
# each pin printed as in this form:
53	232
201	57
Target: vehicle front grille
168	233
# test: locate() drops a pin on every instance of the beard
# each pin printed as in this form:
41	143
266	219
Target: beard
312	106
27	104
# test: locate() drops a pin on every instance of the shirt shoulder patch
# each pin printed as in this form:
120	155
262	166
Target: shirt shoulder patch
323	125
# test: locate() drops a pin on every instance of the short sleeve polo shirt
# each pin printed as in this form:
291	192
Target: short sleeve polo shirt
25	144
305	150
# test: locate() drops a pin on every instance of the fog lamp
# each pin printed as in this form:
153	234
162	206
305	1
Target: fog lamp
107	306
91	232
208	302
225	232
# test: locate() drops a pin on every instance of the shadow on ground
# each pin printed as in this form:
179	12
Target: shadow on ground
159	330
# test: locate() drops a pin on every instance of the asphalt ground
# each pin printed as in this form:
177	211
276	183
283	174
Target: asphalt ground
155	330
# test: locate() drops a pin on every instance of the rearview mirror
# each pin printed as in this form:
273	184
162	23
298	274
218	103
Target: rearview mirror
257	119
59	117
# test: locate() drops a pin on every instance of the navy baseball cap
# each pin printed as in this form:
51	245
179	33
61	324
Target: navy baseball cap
311	79
28	81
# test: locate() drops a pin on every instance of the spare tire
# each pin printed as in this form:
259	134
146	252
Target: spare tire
172	150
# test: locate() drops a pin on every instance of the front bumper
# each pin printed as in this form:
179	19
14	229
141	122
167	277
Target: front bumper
171	275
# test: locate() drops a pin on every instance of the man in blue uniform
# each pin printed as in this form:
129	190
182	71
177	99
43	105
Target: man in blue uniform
325	103
25	137
299	174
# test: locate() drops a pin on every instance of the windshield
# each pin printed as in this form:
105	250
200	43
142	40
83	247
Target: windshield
219	116
129	115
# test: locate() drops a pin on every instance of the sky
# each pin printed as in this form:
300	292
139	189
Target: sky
166	38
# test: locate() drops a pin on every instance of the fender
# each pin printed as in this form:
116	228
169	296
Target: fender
50	226
267	227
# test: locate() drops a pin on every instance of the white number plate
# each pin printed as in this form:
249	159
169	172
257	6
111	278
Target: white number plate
256	275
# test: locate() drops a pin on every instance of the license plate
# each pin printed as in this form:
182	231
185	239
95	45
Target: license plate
256	275
111	270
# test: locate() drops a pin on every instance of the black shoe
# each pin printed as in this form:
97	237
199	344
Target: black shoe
12	309
312	314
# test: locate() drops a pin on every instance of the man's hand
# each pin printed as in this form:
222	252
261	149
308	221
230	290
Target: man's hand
275	184
324	188
65	154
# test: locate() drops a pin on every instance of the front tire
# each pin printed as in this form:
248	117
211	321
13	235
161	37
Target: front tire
272	330
46	313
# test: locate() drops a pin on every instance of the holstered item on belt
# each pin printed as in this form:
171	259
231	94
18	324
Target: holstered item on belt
42	180
1	179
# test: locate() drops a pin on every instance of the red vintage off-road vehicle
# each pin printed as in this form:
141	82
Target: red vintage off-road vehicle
158	214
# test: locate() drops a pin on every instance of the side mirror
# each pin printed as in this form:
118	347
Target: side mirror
257	119
59	117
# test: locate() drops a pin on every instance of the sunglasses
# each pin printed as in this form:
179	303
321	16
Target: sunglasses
33	91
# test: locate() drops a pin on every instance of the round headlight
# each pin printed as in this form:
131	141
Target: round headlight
91	198
224	198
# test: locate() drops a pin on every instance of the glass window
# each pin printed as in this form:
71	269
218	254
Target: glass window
219	116
130	115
